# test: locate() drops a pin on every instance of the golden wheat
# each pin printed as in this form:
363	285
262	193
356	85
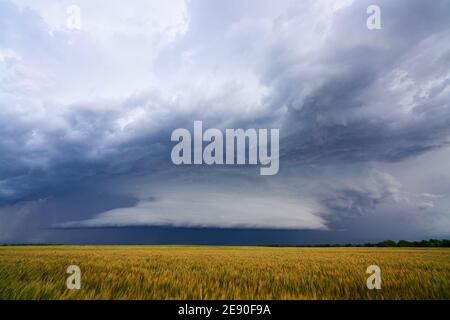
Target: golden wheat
185	272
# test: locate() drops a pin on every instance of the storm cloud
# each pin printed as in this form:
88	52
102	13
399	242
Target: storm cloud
86	115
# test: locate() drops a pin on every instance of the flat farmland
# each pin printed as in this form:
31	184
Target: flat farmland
206	272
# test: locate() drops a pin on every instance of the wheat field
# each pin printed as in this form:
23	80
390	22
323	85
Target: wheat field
197	272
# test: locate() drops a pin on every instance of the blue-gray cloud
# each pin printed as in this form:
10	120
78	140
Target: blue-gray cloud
93	110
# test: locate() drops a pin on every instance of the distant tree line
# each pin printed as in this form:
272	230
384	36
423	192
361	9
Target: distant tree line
432	243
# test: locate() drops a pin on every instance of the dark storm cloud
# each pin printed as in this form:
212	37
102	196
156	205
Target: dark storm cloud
351	111
340	93
335	120
348	203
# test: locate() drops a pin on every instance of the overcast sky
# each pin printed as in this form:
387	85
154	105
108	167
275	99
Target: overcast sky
86	116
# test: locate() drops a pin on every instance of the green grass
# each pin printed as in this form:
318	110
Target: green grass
190	272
